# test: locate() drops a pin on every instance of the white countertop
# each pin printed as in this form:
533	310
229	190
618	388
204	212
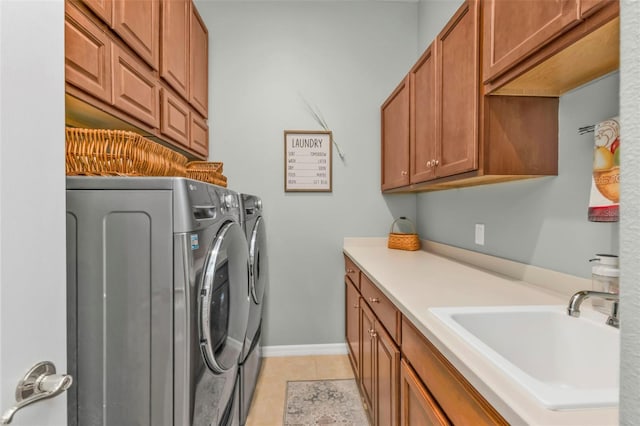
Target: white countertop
419	280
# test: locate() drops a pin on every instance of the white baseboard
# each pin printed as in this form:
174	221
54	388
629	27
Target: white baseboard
302	350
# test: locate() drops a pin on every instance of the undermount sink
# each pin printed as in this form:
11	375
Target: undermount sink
564	362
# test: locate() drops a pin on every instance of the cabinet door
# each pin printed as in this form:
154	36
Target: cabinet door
87	54
174	45
175	118
102	8
352	325
387	370
457	47
423	117
138	23
513	29
417	406
135	88
367	351
587	7
198	63
199	135
395	138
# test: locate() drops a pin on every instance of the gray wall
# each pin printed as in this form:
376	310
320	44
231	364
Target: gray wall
630	221
542	222
345	58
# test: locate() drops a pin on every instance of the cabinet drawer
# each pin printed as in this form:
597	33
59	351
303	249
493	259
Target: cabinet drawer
381	306
352	271
461	401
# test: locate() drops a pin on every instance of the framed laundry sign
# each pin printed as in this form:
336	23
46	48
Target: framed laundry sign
307	161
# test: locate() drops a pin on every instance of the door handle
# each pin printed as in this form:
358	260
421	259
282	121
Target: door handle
40	382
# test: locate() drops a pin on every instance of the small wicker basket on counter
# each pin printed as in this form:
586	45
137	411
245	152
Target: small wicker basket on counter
207	171
99	152
400	241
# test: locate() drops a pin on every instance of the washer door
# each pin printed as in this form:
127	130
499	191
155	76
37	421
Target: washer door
224	299
258	260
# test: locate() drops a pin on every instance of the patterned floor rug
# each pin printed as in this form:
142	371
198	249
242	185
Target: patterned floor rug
324	402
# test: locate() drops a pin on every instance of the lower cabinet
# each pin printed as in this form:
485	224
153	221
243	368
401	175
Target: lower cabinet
380	370
417	406
403	378
352	324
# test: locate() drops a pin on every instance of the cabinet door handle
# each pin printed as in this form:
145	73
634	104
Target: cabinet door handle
428	163
403	173
356	306
374	300
350	271
436	162
373	335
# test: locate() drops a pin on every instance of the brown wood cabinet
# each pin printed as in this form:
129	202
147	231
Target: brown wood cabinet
175	122
174	45
561	46
198	64
395	137
380	370
416	385
87	54
102	8
458	53
439	137
122	86
199	134
424	147
457	398
352	324
417	406
372	348
513	29
138	24
136	90
460	138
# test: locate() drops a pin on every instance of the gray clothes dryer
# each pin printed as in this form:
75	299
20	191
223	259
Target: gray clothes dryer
251	359
158	301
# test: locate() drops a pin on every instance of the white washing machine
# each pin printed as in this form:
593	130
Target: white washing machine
158	301
251	359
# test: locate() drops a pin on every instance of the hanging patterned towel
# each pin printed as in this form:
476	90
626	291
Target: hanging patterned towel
605	180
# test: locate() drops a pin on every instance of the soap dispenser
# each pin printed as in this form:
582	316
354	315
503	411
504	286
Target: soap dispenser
605	274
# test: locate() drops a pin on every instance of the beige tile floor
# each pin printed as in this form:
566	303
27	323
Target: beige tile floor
267	408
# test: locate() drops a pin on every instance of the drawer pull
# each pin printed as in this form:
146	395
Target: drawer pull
374	300
350	271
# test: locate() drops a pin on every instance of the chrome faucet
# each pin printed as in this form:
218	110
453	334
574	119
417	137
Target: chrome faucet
576	300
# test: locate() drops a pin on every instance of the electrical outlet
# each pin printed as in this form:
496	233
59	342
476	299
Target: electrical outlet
480	234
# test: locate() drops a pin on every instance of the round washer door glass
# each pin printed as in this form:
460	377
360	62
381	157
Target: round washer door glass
224	299
258	259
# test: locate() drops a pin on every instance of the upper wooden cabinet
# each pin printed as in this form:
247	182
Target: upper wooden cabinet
116	64
569	45
102	8
423	114
199	64
138	23
136	91
513	29
174	45
457	89
87	54
395	137
184	53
